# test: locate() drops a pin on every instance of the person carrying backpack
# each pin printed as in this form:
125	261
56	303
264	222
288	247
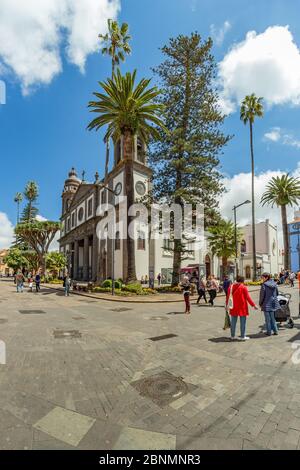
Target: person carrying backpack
269	303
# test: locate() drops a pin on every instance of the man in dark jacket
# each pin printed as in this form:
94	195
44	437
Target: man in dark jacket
269	303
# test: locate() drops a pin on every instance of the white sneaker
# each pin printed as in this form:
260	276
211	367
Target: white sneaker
232	338
244	338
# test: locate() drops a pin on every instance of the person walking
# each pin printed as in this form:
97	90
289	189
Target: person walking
269	303
20	281
201	290
159	278
67	285
37	282
237	301
212	289
186	287
292	279
30	282
226	284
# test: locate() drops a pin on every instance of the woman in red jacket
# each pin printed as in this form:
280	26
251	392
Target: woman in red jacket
237	302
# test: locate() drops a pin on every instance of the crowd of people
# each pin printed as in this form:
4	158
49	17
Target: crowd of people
21	277
238	299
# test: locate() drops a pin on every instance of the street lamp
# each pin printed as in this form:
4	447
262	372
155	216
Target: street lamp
235	235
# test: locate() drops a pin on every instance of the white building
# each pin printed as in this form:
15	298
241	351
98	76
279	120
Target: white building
269	255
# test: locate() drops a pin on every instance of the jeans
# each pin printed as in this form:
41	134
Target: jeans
67	291
201	293
187	302
271	324
233	321
19	287
212	296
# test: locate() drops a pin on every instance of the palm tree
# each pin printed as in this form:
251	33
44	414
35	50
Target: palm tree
283	191
251	108
18	199
31	193
222	241
116	46
128	110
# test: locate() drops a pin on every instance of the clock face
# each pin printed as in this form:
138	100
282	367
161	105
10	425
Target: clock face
140	188
118	189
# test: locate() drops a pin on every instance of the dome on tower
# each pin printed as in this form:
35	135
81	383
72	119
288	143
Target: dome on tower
72	182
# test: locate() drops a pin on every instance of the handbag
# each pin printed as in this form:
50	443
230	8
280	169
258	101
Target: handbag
227	323
228	307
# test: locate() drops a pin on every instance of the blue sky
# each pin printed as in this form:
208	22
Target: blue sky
43	123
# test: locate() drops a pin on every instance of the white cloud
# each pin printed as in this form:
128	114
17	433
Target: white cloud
218	34
34	33
274	134
278	135
6	231
267	64
239	190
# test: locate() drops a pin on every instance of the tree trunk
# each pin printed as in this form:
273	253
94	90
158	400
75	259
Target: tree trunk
176	263
224	266
253	205
129	189
285	238
107	142
185	120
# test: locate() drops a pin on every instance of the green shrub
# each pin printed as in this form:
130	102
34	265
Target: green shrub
101	289
133	288
118	284
107	283
169	289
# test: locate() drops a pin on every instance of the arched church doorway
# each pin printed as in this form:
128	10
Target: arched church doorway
207	265
248	272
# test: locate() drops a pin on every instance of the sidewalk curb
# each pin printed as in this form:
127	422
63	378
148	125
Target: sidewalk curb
128	300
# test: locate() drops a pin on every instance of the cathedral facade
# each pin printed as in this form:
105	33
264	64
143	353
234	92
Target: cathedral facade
91	258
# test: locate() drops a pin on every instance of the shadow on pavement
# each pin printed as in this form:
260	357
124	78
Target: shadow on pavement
223	339
176	313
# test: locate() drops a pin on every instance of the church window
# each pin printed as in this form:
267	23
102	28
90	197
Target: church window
90	207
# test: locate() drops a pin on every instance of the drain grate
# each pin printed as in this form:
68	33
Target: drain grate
159	338
58	334
120	309
28	312
162	388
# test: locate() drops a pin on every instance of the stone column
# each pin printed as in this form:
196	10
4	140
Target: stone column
95	256
86	258
76	256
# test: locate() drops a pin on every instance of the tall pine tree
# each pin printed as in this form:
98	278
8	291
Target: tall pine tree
185	161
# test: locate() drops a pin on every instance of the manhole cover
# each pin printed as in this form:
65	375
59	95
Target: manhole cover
159	338
3	320
158	318
66	334
31	312
162	388
120	309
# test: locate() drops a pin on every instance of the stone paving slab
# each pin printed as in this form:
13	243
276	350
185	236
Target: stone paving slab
243	395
